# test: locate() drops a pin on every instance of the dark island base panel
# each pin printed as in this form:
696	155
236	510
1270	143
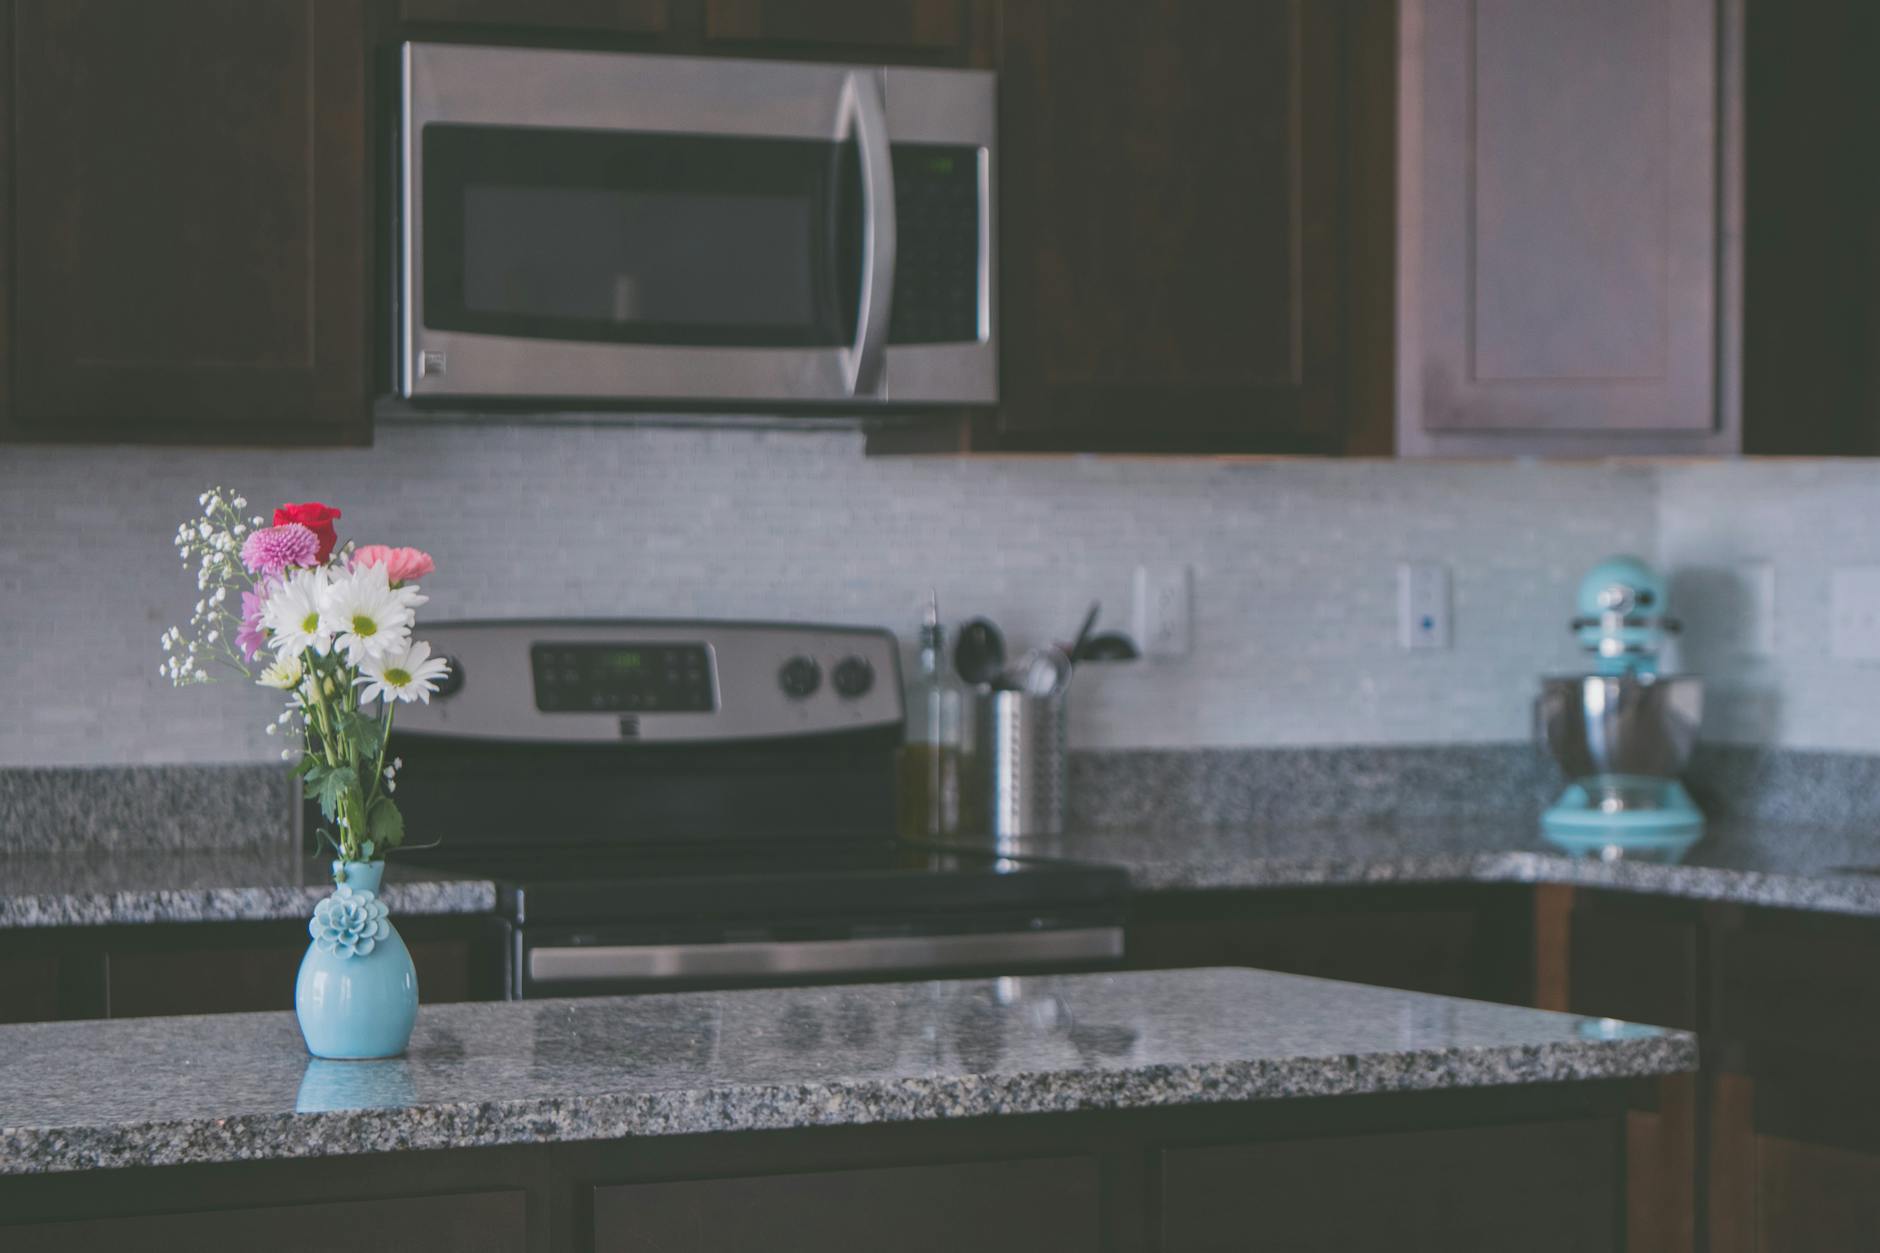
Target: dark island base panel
1536	1168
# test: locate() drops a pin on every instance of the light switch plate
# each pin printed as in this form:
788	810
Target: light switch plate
1164	610
1423	605
1854	613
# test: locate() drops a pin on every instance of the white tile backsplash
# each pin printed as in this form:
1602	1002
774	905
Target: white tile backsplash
1294	568
1806	520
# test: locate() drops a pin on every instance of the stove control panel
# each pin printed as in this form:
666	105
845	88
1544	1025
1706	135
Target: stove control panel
584	681
639	678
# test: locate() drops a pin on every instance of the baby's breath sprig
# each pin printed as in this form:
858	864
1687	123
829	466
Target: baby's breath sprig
212	542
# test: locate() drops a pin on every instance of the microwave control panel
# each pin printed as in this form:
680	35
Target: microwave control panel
937	270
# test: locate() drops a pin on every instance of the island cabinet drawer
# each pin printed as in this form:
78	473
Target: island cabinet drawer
470	1222
1537	1187
979	1207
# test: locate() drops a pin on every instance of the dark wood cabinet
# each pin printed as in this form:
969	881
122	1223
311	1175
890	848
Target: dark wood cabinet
1773	1147
1569	233
614	17
191	220
905	25
217	968
1641	960
990	1207
1531	1186
1170	225
474	1222
1794	1144
1455	942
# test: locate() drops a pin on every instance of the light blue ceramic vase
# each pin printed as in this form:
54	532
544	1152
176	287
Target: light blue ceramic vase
357	994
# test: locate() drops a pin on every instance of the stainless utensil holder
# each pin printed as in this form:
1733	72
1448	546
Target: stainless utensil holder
1020	765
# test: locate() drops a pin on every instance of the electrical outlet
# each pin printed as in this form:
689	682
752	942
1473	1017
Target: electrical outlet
1164	610
1854	613
1423	605
1759	608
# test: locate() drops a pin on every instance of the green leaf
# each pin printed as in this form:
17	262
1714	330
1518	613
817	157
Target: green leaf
307	762
363	733
386	824
334	783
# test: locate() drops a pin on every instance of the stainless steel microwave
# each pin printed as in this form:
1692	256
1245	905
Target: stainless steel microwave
606	227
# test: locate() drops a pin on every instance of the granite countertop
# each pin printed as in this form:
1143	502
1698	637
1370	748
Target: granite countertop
1782	866
1777	865
216	885
240	1087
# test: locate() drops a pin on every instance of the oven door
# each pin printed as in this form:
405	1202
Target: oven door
579	225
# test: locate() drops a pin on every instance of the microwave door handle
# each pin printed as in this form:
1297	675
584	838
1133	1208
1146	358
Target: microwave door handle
865	118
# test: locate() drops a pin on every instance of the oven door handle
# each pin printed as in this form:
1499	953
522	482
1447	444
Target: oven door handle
864	117
875	955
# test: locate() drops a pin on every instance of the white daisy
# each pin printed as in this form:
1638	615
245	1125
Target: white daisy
406	673
283	674
366	615
292	614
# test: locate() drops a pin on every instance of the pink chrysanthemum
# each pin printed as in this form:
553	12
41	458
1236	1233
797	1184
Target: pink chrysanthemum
249	636
274	549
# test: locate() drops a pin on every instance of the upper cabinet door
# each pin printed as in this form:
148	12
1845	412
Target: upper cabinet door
1170	225
618	17
190	191
929	25
1567	227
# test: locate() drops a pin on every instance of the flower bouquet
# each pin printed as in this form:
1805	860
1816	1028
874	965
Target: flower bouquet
329	626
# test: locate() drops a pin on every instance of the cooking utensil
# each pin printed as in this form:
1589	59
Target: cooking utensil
1042	672
1110	646
1083	633
979	653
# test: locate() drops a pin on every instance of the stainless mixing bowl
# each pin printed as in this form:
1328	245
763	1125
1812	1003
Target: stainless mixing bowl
1626	725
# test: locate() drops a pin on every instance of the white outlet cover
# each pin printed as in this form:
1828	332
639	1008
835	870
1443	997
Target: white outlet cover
1759	608
1424	614
1163	618
1854	613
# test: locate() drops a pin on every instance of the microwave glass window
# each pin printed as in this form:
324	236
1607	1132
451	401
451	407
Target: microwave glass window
640	238
599	255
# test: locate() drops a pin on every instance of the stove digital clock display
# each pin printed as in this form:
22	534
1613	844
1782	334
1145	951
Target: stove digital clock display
622	678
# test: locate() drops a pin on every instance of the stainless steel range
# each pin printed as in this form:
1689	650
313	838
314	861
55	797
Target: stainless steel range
711	804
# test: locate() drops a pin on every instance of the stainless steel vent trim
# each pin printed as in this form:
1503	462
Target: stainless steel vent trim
607	963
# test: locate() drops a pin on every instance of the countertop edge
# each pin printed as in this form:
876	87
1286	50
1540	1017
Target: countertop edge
838	1103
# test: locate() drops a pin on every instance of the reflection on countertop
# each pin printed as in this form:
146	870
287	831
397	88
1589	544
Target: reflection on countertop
241	1087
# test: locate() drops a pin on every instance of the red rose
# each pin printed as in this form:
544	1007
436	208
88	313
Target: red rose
317	518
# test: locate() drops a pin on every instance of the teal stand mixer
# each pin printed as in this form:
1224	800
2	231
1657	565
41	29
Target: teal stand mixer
1624	732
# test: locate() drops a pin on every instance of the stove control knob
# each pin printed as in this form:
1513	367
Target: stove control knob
799	678
451	682
853	677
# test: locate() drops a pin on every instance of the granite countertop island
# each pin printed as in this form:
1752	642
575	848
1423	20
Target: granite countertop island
240	1088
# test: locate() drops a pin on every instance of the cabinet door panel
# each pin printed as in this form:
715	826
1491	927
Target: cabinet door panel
1534	1186
1559	224
1170	224
476	1222
926	24
191	177
1798	983
988	1207
629	17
